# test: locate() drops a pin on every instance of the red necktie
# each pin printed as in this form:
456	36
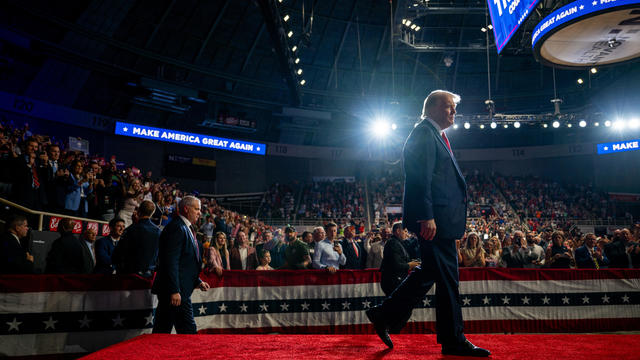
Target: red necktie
446	141
36	183
355	248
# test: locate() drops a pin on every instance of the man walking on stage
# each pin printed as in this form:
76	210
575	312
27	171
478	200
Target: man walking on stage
434	207
179	263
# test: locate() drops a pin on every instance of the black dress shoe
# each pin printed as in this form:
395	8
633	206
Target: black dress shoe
375	316
465	349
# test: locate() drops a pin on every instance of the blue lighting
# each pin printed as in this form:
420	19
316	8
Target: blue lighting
619	146
507	16
180	137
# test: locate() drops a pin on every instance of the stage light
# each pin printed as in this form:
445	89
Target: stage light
569	125
417	28
582	123
280	1
619	124
490	27
290	33
506	126
294	48
594	70
481	126
556	124
483	29
303	81
596	124
607	123
545	126
286	18
408	23
467	125
455	126
380	128
299	72
413	26
580	81
634	123
394	126
404	21
297	60
494	125
516	125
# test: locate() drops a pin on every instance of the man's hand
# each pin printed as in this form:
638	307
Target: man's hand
176	299
331	269
29	257
204	286
413	264
427	229
337	249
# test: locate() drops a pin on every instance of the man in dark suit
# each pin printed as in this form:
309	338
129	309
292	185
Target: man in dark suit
105	247
396	262
14	257
179	265
589	256
434	207
241	256
352	250
68	254
137	252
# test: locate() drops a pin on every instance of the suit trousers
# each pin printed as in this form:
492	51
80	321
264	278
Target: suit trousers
168	316
439	266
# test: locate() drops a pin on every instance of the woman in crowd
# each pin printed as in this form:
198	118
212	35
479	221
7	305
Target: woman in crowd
558	255
495	252
78	186
132	200
218	258
265	259
473	253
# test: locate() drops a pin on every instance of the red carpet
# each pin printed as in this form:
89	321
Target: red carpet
526	347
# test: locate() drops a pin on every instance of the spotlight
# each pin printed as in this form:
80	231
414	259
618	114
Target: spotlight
580	81
408	23
490	27
467	125
619	124
516	125
481	126
297	60
596	124
280	1
394	126
634	123
594	70
494	125
569	125
545	126
556	124
455	126
607	123
286	18
299	72
417	28
380	128
582	123
290	33
483	29
404	21
506	126
413	26
294	48
303	81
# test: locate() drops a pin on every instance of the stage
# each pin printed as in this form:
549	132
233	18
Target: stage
407	346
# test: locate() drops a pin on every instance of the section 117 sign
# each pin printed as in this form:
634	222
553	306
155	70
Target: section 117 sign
507	16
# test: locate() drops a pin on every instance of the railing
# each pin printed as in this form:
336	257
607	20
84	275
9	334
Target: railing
594	222
42	214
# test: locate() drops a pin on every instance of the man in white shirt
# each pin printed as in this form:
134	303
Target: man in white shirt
328	253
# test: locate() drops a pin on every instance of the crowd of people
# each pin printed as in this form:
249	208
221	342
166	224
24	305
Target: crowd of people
42	173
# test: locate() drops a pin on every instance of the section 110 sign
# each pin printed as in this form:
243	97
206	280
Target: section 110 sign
507	16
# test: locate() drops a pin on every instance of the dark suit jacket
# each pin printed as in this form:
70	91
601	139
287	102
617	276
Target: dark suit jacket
395	265
178	262
236	262
616	252
68	255
584	260
434	185
104	252
353	261
137	251
13	257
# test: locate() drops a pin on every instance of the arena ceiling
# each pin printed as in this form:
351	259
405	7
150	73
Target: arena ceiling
240	52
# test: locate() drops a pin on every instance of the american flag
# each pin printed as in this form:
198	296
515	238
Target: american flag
76	314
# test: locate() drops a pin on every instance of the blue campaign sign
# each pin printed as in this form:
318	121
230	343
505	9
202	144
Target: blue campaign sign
619	146
573	11
507	16
180	137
